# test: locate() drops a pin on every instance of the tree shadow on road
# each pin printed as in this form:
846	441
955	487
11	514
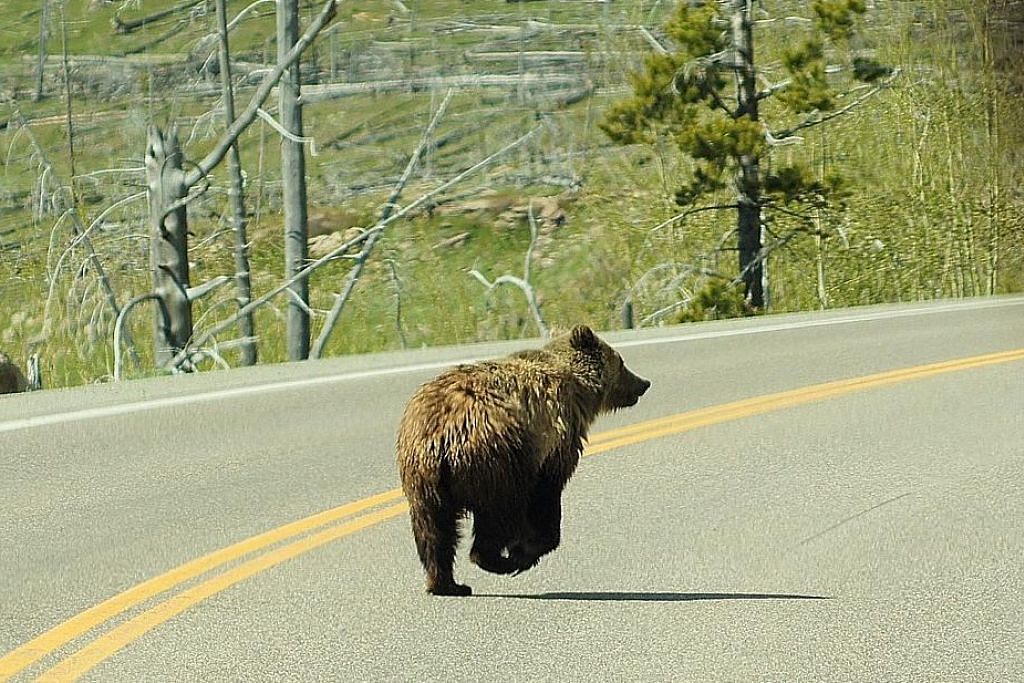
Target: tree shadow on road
616	596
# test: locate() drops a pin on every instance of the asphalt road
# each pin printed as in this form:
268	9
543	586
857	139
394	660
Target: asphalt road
874	534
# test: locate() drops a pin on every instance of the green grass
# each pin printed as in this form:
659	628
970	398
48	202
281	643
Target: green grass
932	209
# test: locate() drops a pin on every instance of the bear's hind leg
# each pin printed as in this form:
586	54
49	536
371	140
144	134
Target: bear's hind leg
436	530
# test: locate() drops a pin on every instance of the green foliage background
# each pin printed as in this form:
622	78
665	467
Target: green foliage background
930	169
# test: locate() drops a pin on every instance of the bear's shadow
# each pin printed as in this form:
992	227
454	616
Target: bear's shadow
626	596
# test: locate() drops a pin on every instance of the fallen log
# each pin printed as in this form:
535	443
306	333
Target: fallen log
123	27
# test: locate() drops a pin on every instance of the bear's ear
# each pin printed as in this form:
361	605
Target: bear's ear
582	338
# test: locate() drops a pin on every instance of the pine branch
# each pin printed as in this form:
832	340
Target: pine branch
689	212
790	212
816	118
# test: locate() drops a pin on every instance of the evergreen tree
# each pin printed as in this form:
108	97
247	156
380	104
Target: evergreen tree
685	95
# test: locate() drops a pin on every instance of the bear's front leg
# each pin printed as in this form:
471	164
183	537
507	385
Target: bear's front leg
544	525
490	538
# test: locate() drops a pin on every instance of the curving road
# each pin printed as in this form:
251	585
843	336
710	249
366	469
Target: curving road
817	497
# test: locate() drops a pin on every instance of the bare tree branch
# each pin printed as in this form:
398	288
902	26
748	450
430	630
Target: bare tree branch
357	269
676	219
522	283
231	27
283	132
70	210
330	9
178	27
767	250
397	282
328	91
241	15
790	212
655	43
341	249
119	327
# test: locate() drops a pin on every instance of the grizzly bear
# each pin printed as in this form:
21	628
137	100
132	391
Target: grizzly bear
11	378
500	439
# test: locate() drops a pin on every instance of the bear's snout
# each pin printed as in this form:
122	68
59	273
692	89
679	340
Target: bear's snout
640	388
638	385
630	391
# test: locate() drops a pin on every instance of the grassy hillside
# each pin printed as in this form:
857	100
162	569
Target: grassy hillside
933	207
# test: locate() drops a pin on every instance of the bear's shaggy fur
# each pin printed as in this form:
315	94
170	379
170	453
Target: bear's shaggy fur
11	378
500	439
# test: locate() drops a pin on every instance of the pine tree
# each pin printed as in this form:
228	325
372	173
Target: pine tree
703	96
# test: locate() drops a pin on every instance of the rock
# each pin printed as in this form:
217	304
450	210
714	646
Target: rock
321	245
546	211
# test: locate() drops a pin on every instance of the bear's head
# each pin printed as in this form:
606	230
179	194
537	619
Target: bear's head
618	386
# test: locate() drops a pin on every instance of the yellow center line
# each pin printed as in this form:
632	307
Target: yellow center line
760	404
24	656
103	647
106	645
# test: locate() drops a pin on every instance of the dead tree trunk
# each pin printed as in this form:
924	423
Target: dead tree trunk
67	104
748	182
44	36
35	374
168	251
293	174
243	283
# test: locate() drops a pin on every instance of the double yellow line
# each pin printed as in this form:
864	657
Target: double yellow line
368	512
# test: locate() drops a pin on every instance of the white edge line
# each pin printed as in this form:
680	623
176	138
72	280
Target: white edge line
221	394
862	317
155	404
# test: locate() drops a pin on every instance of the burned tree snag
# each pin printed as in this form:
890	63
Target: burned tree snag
293	178
236	192
168	255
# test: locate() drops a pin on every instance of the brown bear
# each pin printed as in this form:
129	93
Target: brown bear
500	439
12	380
